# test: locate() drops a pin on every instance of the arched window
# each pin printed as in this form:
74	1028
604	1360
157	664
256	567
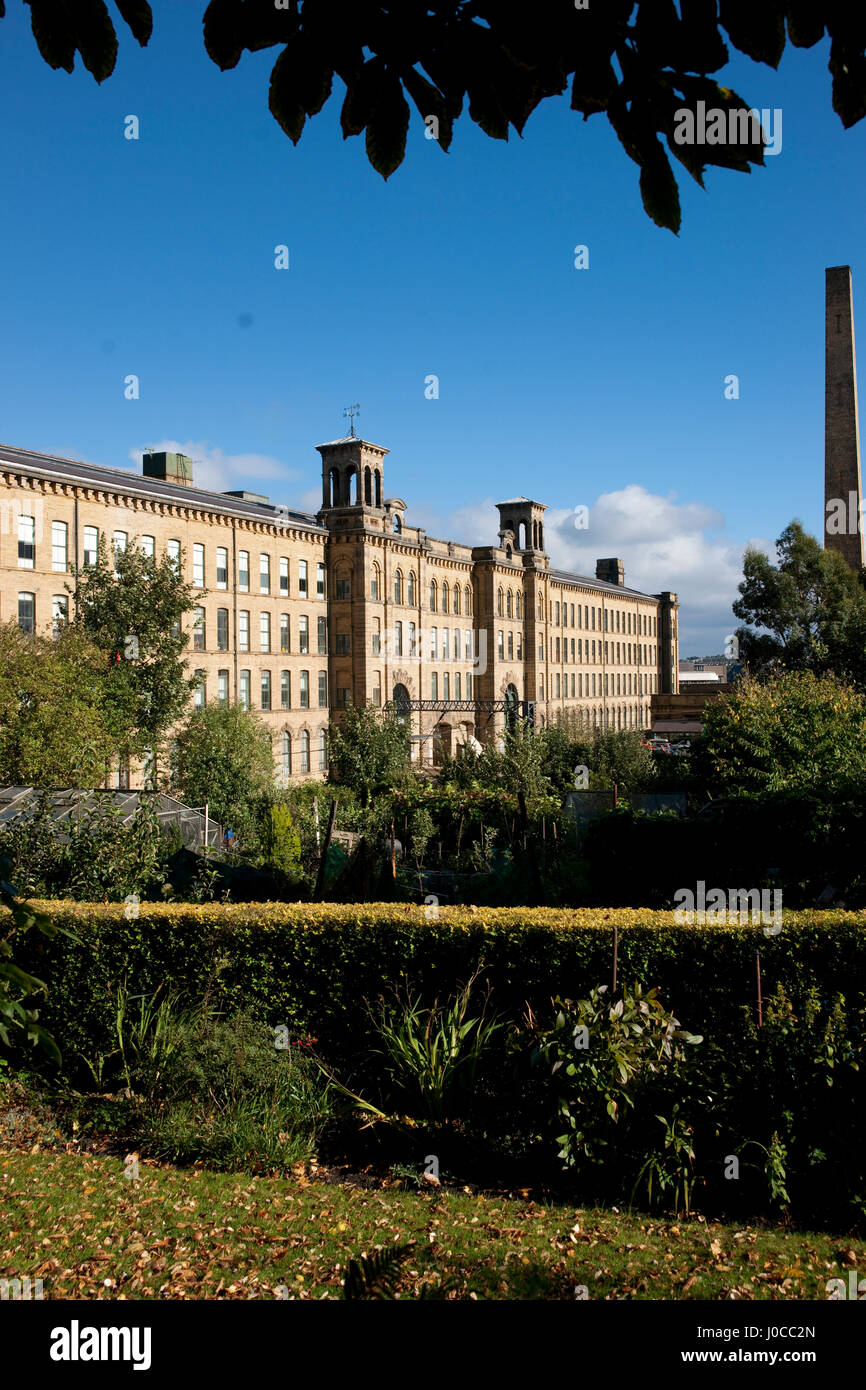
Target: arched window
467	596
376	582
323	750
368	488
499	603
433	595
402	707
456	598
398	586
305	751
509	605
286	757
352	488
398	525
445	596
410	586
334	487
517	604
378	488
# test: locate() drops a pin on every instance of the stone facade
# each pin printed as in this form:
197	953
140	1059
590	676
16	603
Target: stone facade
302	614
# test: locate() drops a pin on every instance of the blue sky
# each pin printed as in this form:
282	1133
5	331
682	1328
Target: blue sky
601	387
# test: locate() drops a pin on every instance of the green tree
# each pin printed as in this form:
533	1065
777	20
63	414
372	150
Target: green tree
519	766
794	731
369	750
61	719
282	843
222	756
131	605
639	64
806	613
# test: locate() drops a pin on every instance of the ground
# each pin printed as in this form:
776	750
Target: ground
88	1230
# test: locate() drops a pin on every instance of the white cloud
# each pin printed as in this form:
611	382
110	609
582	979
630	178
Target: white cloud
662	542
217	471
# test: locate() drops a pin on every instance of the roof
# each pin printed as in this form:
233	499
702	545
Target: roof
352	439
515	502
123	479
601	584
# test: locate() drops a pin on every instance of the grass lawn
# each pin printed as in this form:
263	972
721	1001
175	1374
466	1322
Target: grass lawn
88	1231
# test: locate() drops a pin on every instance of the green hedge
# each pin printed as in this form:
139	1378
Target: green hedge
312	966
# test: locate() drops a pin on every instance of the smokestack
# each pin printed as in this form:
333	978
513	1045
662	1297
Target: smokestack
842	493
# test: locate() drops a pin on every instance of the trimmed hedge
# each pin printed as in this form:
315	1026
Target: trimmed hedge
311	966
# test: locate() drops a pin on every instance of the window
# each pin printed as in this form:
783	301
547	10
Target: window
265	632
323	690
245	689
264	574
244	571
499	603
172	550
198	566
222	567
222	687
446	686
323	750
412	642
286	756
432	595
322	636
444	598
510	646
374	582
467	640
284	632
557	649
243	630
59	612
457	695
343	644
445	644
91	544
377	688
119	543
377	637
58	546
456	598
305	690
285	690
541	688
26	612
148	546
556	619
305	751
398	586
200	690
500	646
398	639
222	629
571	624
26	542
467	596
434	644
457	652
410	588
557	686
198	630
344	587
520	646
266	689
304	635
434	686
302	578
344	696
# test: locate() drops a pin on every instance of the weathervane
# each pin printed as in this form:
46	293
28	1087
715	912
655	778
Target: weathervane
351	411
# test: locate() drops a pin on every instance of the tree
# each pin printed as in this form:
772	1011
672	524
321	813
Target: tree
222	755
792	732
369	750
640	64
61	721
131	607
808	612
